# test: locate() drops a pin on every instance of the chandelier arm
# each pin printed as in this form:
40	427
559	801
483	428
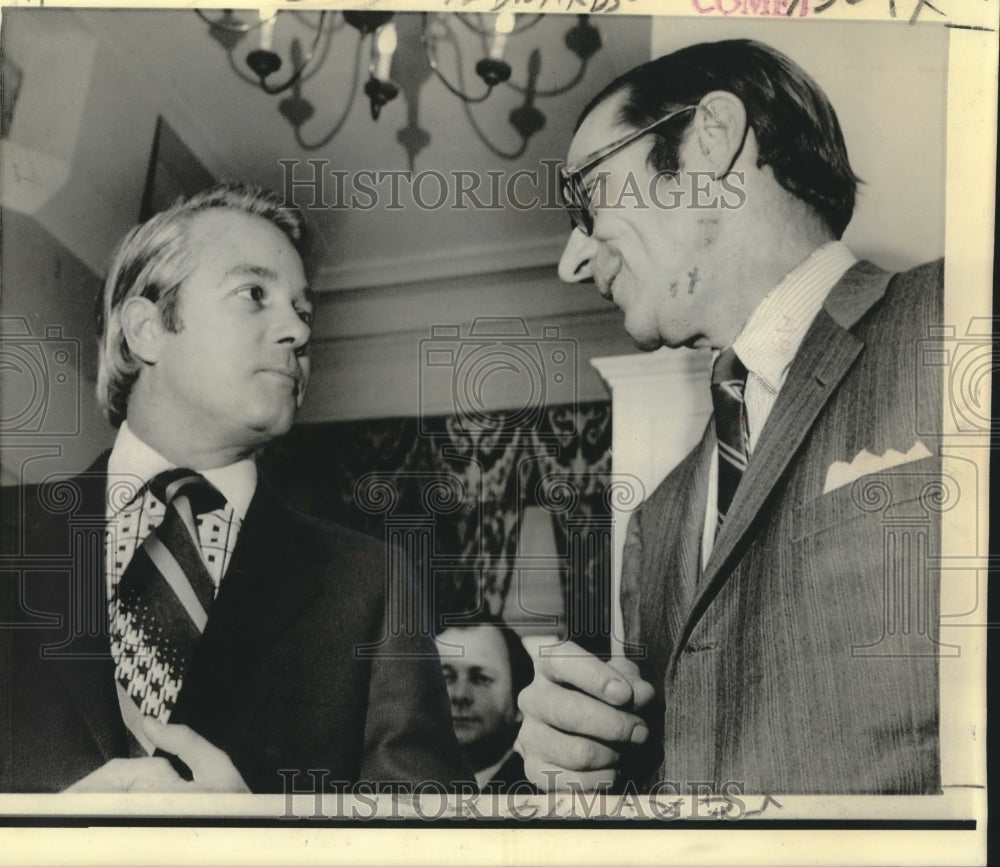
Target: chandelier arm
304	17
324	53
229	28
554	91
505	155
433	64
458	93
296	75
473	27
302	143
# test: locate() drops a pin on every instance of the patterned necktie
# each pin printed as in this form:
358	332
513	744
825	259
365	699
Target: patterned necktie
729	378
164	596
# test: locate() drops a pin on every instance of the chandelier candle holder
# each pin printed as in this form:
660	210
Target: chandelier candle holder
379	88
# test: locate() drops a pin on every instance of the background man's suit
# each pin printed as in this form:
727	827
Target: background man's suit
770	663
278	680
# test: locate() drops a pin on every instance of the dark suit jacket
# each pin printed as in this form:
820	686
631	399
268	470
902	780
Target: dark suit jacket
803	657
296	668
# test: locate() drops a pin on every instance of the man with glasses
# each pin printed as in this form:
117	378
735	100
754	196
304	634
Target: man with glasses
766	650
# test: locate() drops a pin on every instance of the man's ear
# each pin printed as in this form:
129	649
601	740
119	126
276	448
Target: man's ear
142	328
720	127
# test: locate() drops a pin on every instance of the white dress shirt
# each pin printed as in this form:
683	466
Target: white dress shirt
769	341
131	465
486	774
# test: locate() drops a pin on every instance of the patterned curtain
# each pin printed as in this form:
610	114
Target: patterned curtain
457	488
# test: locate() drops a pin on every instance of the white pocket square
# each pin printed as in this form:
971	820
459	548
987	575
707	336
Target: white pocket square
841	473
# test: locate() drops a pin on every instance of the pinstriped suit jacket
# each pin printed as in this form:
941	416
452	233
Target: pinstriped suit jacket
803	658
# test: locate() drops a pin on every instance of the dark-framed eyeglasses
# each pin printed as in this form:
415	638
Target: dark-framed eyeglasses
577	195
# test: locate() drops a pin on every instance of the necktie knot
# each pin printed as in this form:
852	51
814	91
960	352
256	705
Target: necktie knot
729	369
201	494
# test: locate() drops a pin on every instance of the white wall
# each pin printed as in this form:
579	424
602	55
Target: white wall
82	132
48	363
370	356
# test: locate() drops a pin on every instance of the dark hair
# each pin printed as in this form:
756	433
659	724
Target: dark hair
797	131
153	261
522	669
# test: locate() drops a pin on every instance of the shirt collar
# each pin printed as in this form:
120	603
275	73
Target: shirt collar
775	330
486	774
130	456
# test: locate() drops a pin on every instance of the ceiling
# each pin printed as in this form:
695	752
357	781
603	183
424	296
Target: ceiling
238	131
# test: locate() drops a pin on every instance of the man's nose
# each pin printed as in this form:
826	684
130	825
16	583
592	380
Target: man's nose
459	695
575	263
293	329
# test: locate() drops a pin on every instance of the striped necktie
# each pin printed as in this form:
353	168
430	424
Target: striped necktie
729	378
164	596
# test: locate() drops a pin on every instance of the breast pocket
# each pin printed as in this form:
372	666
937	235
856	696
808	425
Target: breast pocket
863	559
912	492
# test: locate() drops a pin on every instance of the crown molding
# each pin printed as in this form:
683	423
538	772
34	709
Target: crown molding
440	265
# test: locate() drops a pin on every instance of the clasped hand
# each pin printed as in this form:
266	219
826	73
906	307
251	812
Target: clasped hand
580	715
211	767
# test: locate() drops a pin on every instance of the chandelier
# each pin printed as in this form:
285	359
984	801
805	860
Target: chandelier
259	63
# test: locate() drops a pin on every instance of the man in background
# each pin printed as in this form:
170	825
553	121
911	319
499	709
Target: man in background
485	667
208	637
779	642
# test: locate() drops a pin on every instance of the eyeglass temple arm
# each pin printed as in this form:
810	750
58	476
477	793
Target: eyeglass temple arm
598	156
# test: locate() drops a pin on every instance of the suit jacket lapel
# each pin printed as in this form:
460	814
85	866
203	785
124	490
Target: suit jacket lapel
85	663
268	583
674	552
827	353
686	523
